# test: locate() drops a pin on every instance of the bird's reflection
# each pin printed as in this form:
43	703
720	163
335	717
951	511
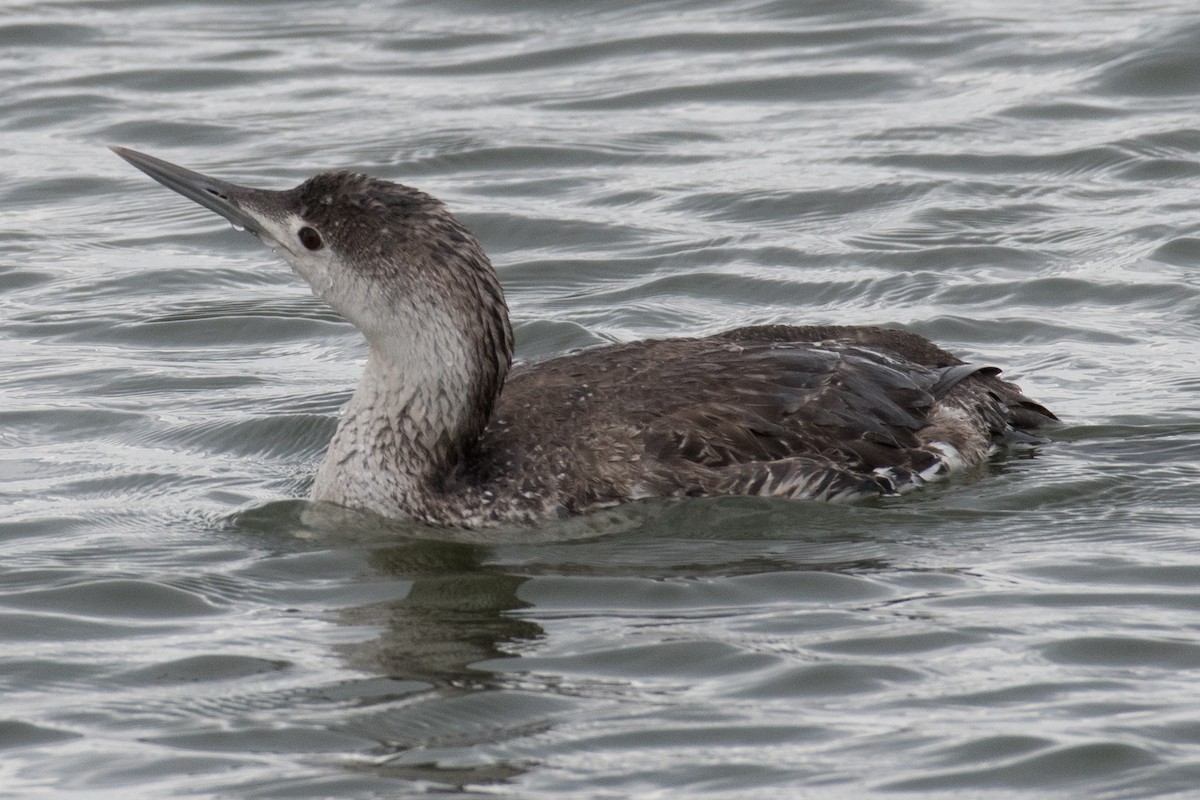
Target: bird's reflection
456	614
446	641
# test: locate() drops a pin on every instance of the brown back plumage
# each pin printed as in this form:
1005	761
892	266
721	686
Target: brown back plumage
819	412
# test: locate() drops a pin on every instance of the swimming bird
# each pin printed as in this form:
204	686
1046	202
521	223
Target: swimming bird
442	428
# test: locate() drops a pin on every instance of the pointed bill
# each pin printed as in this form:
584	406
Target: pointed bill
238	204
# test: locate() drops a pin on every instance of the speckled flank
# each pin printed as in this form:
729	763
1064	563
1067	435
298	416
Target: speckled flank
438	429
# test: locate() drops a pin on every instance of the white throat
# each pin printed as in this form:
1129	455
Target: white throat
404	426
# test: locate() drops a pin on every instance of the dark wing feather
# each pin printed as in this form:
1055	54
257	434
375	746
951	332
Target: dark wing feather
801	412
813	421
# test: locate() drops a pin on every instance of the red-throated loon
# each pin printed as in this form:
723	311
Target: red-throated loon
440	430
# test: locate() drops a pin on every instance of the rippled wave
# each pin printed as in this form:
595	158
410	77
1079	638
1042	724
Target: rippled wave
1016	181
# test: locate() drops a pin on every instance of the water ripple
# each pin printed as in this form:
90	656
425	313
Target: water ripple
1016	182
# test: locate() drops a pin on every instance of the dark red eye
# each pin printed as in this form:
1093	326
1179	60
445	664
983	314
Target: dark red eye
309	238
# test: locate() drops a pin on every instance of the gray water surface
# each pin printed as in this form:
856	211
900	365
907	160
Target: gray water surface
1015	180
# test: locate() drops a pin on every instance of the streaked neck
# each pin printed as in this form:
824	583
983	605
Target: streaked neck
414	417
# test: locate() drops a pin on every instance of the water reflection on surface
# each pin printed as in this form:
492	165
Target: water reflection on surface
1017	183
